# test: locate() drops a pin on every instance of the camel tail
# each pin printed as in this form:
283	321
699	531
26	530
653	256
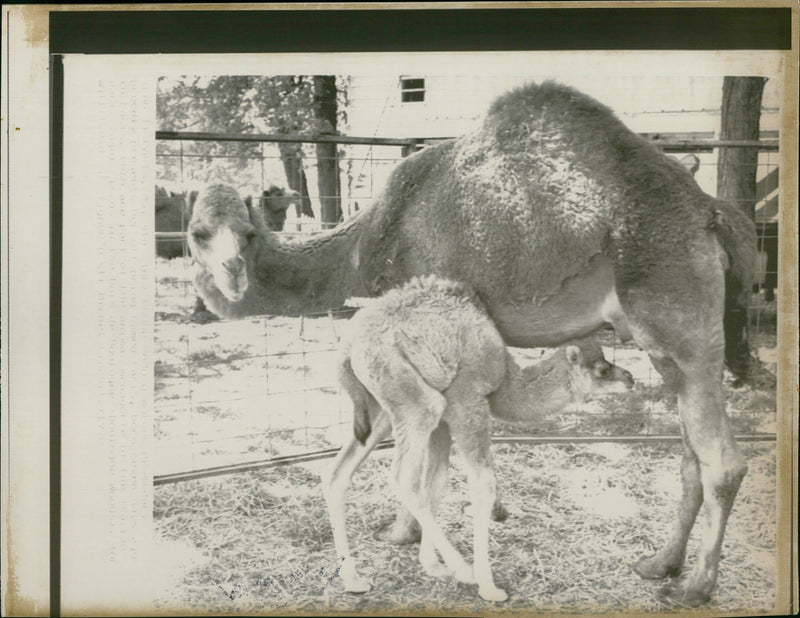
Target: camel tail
737	236
360	396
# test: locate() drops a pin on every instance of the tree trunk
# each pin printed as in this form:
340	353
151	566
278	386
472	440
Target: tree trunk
327	158
736	167
292	160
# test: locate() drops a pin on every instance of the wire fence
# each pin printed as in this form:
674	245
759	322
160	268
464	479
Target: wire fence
233	395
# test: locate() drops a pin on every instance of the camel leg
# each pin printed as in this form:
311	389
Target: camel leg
335	486
435	480
708	434
409	466
676	314
471	432
712	467
405	529
416	411
669	560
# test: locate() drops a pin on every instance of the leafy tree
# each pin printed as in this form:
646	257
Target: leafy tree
250	104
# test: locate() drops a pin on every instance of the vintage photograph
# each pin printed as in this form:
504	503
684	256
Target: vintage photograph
448	341
348	309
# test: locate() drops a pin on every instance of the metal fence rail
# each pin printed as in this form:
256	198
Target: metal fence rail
274	462
288	406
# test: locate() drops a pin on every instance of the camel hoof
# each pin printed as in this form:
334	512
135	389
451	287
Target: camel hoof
464	575
677	595
437	569
492	593
499	513
654	568
352	581
357	586
388	533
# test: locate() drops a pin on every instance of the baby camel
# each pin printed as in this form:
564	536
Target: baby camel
427	361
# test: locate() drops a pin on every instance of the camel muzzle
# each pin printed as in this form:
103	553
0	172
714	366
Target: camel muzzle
231	279
234	266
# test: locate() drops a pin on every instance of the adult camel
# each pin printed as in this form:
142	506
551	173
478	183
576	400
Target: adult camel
563	221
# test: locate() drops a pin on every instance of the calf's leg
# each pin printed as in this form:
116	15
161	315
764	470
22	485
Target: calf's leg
434	479
408	472
470	428
335	486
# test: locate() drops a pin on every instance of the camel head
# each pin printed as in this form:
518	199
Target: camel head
273	204
591	375
221	236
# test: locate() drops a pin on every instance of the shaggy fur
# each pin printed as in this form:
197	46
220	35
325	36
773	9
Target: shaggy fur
563	221
428	356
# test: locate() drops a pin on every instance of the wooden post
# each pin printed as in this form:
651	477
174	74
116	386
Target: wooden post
736	167
327	156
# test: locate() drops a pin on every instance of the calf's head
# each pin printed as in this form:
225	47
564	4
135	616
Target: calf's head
591	375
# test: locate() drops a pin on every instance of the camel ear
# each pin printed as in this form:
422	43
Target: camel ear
193	198
573	353
253	213
691	162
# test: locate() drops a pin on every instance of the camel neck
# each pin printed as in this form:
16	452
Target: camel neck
306	275
531	392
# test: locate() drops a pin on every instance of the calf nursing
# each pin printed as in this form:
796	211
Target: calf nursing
427	360
564	222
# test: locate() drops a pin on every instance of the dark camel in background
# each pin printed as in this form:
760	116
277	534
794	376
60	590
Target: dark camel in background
174	211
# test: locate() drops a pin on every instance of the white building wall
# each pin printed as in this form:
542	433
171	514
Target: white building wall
455	104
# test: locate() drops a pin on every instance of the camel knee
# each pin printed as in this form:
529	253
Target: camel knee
726	479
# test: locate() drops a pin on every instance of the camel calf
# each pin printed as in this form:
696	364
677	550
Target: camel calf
427	360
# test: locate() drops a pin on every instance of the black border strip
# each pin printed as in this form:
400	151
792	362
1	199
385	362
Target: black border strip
56	247
410	30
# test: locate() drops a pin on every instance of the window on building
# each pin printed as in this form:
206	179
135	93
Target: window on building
412	89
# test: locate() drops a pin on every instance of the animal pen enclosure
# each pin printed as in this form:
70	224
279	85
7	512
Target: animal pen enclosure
256	393
233	395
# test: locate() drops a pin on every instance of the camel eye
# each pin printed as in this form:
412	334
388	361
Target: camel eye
200	234
602	370
246	238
